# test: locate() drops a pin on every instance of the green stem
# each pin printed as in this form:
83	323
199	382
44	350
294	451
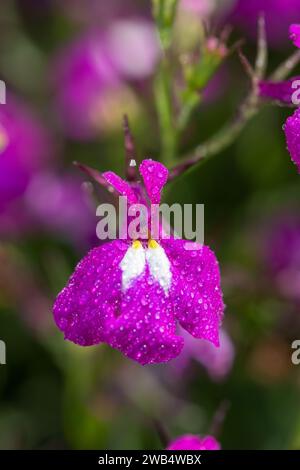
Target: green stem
252	105
221	140
163	98
191	102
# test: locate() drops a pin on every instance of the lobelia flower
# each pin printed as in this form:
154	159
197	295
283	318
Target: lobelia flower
131	294
91	76
53	204
217	361
24	148
284	264
279	15
203	8
193	442
134	48
83	73
285	92
295	34
32	196
292	134
57	202
292	125
101	13
192	15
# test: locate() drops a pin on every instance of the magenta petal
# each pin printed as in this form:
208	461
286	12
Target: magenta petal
279	91
145	330
155	176
210	443
92	308
217	361
295	34
86	306
192	442
121	186
292	134
196	290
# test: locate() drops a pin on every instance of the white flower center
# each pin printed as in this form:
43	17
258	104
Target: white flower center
134	262
159	265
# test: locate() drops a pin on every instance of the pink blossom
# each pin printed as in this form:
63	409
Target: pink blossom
217	361
131	295
292	134
282	92
279	14
91	76
134	48
193	442
295	34
83	74
102	13
284	263
59	204
202	8
24	148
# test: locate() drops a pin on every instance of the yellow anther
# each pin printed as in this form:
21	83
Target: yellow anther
152	244
136	244
3	139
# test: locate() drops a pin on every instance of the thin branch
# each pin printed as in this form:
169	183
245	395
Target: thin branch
96	176
130	151
222	139
219	418
286	67
246	65
206	25
226	33
262	49
236	46
251	106
162	433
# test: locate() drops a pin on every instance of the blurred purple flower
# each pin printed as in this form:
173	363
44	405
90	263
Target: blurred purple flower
203	8
59	204
292	134
279	15
91	75
192	15
32	197
25	148
131	294
14	220
288	92
279	91
193	442
83	72
217	85
295	34
134	48
101	13
217	361
282	252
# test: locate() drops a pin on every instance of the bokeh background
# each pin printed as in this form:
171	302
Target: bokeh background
72	69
